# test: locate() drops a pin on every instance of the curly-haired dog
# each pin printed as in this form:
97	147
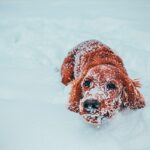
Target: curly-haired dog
100	83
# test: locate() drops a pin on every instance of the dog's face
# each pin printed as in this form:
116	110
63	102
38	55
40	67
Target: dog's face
101	93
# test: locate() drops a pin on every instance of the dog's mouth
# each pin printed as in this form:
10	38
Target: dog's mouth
96	119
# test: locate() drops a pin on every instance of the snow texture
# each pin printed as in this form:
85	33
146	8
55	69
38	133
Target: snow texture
35	36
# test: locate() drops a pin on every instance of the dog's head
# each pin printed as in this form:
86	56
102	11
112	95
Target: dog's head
102	91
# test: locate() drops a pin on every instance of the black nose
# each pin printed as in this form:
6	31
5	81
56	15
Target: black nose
91	104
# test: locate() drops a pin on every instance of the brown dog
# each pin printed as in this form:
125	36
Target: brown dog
100	83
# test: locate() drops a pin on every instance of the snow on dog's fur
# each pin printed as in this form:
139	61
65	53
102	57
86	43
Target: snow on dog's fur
100	84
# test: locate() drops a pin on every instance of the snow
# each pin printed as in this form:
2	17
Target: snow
35	36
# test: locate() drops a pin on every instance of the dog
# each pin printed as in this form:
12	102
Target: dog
100	83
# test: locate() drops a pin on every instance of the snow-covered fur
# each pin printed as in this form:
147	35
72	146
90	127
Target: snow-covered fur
97	73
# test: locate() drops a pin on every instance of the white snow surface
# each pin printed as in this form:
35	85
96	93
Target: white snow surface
35	36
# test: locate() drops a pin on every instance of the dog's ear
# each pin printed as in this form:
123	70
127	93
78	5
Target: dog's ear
131	96
75	96
67	69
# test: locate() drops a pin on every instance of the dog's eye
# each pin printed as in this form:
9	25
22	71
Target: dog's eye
111	86
87	83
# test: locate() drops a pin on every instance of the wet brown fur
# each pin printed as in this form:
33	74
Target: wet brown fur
131	96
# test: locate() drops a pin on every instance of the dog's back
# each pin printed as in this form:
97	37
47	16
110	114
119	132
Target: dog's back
84	55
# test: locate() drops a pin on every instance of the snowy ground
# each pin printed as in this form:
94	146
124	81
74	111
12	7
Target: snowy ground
35	36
